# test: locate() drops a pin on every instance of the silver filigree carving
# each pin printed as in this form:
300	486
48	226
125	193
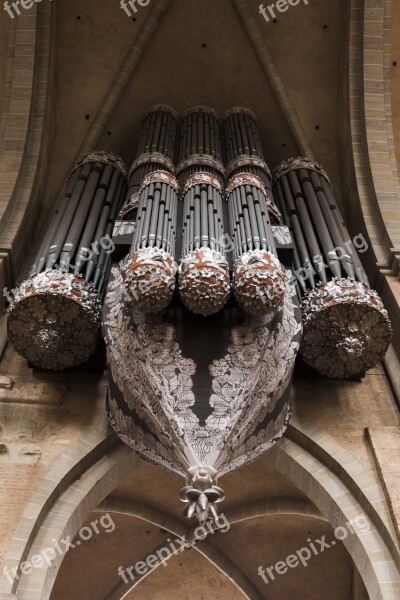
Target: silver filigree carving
151	398
239	110
54	320
258	282
300	162
201	493
248	161
154	158
160	177
201	160
200	109
129	210
202	179
149	279
241	179
108	158
204	282
346	329
161	108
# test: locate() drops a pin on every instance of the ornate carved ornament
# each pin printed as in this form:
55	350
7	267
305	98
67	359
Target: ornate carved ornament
54	320
160	177
201	160
295	164
239	110
200	109
129	209
154	159
153	408
201	179
244	179
259	282
346	329
204	281
149	277
248	161
108	158
161	108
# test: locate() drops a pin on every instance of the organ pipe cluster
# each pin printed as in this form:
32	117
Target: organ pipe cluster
55	316
223	190
346	328
200	146
156	151
149	270
204	281
258	279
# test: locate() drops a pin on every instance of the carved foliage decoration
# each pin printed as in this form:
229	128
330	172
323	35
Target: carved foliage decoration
151	401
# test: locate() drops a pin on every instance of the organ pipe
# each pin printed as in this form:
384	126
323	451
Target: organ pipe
258	278
204	282
55	316
346	328
156	151
149	270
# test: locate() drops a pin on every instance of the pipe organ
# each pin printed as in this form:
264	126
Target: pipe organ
346	328
206	296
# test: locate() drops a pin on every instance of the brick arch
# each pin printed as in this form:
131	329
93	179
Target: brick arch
333	480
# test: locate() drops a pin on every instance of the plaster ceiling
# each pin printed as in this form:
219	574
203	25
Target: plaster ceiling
200	54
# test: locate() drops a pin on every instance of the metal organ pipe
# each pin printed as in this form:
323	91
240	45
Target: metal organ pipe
200	148
204	282
245	154
156	151
149	270
55	316
346	328
258	279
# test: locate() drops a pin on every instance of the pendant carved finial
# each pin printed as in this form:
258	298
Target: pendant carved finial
201	494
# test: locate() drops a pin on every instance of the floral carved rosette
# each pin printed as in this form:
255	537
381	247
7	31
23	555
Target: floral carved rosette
204	282
346	329
149	278
54	320
258	282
